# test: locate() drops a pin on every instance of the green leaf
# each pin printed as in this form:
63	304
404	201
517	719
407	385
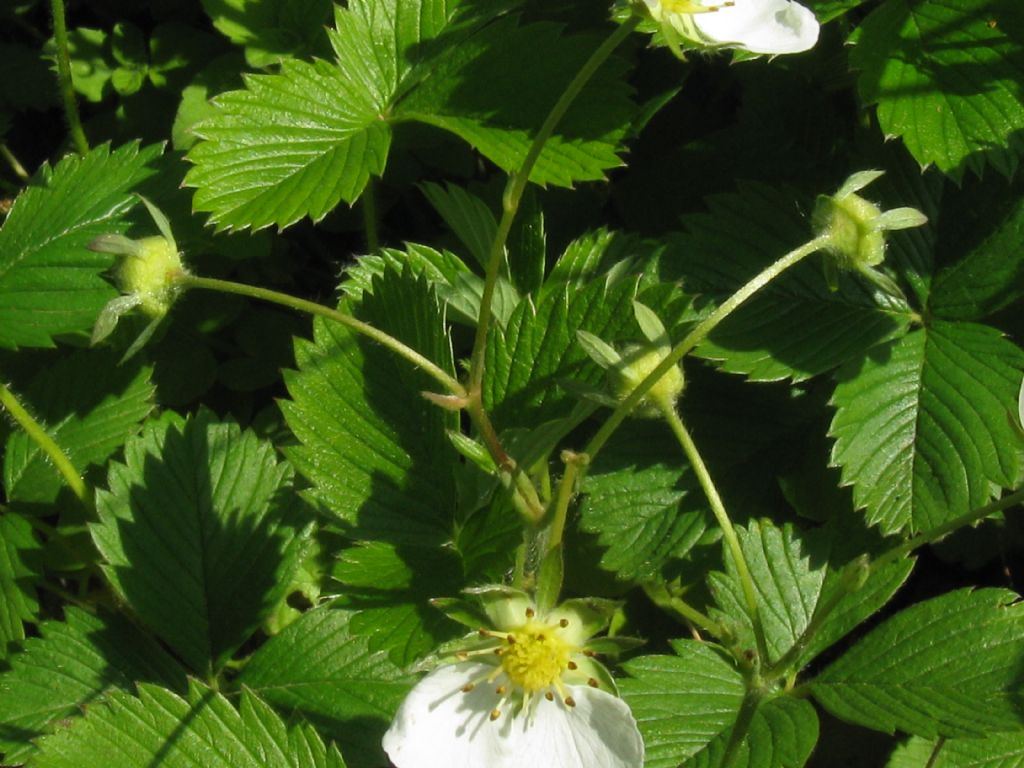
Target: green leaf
467	216
201	532
781	734
995	750
945	77
375	451
794	574
795	327
320	669
497	108
922	432
949	666
681	702
18	571
74	663
271	30
89	405
990	275
539	348
646	509
299	142
390	588
50	284
161	728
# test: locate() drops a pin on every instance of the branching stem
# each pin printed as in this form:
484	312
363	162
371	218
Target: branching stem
67	88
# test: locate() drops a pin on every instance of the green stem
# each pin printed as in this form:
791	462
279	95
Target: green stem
67	88
18	168
740	728
664	599
369	206
697	335
38	435
936	751
722	516
517	186
390	342
566	488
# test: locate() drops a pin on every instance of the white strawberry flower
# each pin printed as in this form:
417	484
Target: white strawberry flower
757	26
525	693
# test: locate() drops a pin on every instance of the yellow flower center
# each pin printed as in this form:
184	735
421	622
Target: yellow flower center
535	657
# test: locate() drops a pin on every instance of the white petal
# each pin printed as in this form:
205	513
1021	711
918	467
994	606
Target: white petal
761	26
439	726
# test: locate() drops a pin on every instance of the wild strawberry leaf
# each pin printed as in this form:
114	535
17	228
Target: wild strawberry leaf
945	76
996	750
19	569
782	733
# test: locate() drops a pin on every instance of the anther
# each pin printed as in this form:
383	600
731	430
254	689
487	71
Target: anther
549	696
563	623
589	654
530	613
498	651
570	701
572	665
510	639
495	714
500	690
468	687
593	683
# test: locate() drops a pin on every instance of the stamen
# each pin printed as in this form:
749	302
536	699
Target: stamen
510	639
589	653
593	683
495	714
468	687
549	696
570	701
530	613
563	623
501	690
572	666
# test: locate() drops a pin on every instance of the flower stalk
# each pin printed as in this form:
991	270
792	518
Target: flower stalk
67	88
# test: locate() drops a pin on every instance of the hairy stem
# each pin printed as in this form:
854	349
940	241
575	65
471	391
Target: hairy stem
67	88
448	381
663	598
566	489
38	435
722	516
517	187
697	335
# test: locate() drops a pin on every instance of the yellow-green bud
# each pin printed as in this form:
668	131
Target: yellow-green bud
849	224
150	273
636	364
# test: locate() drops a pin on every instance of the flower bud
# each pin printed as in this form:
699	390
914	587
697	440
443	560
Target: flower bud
636	364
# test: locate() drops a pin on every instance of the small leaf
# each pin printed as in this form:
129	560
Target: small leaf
681	702
320	669
467	216
921	432
74	663
89	405
782	734
160	728
944	75
201	532
949	666
50	283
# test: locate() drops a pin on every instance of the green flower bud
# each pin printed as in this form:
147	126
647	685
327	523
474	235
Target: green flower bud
150	273
854	230
636	364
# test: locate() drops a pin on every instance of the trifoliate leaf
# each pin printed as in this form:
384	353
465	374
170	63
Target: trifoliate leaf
795	327
320	669
944	75
374	449
681	702
794	575
922	432
159	727
995	750
19	570
74	663
949	666
50	283
299	142
89	406
643	504
201	532
781	734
